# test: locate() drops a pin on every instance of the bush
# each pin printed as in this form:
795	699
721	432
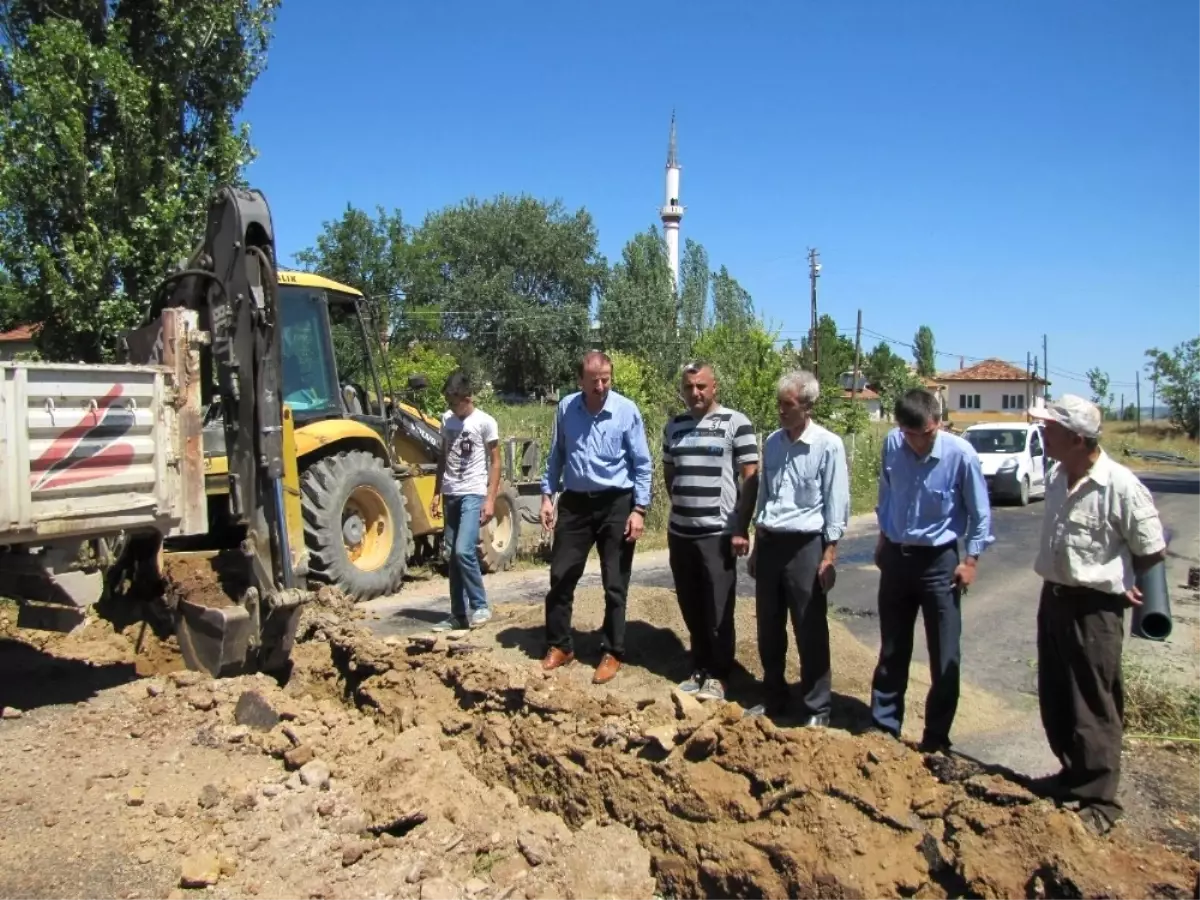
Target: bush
435	365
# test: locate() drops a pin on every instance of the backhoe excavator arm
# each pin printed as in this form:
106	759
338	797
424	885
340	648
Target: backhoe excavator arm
231	282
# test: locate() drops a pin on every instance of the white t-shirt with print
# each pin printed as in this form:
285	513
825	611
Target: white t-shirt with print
464	443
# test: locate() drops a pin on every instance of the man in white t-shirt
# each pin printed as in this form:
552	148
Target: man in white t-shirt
468	475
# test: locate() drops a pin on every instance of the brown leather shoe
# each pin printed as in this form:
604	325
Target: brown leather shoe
607	670
555	657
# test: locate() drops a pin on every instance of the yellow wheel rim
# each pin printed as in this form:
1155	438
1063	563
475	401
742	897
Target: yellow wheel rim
368	531
501	527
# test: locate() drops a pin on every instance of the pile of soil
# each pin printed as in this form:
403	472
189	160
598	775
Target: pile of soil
213	580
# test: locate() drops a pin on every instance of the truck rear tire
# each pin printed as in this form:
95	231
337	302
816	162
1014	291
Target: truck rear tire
356	525
500	538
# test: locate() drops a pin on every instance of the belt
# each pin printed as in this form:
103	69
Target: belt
603	492
1075	590
915	549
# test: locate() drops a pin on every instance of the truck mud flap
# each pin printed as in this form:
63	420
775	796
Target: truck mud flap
214	640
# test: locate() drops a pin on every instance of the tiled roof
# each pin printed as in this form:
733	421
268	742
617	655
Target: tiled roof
20	333
864	394
988	370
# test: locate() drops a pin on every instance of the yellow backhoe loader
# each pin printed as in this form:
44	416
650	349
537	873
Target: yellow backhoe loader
366	460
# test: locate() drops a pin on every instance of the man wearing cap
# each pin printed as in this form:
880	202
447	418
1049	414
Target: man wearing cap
931	495
1100	528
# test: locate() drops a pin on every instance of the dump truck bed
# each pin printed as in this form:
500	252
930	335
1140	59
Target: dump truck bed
98	449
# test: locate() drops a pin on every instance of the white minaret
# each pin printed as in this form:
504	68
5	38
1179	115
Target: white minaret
672	212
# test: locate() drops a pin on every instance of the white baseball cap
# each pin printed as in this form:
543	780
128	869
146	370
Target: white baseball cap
1073	413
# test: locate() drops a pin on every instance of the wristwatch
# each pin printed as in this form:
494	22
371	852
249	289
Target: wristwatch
640	510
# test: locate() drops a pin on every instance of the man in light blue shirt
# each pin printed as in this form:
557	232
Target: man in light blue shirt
932	494
803	507
600	460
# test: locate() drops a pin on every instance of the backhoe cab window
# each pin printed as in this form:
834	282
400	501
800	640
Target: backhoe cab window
309	379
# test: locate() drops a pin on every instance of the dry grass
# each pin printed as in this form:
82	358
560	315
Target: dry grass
1157	435
1155	706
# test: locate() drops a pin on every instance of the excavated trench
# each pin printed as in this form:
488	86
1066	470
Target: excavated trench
735	807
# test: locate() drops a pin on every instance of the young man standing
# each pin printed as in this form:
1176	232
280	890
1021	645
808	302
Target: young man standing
599	457
706	452
931	495
1100	529
468	475
803	507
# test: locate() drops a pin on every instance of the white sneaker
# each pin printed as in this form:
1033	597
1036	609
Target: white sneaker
711	690
480	616
451	623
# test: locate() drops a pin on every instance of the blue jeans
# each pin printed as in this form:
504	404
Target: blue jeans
461	514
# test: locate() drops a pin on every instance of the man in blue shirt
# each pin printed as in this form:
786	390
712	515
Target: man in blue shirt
600	460
802	509
931	495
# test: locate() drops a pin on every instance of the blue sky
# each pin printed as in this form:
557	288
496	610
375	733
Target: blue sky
994	170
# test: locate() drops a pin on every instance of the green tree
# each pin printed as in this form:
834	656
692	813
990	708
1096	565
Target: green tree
637	309
695	279
117	123
514	279
880	365
924	352
748	369
419	359
835	352
373	255
1098	383
1179	383
731	302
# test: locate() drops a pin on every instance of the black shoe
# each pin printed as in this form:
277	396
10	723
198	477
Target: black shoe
820	720
1099	820
1051	787
876	728
934	745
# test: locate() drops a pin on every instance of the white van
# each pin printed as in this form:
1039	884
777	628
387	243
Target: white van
1013	457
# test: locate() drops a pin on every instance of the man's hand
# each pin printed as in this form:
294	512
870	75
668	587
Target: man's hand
487	511
879	553
547	514
634	526
740	545
752	563
1133	596
435	506
964	575
828	560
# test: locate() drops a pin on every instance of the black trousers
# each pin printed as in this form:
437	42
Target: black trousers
584	521
705	572
1079	638
786	583
912	580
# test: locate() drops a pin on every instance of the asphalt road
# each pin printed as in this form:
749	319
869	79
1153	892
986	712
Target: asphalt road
999	612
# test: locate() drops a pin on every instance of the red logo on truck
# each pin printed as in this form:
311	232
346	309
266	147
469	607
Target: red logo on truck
91	449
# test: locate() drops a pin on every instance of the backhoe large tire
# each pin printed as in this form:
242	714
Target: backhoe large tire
500	538
356	525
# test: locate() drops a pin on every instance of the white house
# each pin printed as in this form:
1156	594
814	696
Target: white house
869	398
990	389
15	343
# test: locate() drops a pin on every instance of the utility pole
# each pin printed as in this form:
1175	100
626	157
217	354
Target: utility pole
1033	390
854	383
1137	386
814	272
1121	417
1028	383
1154	395
1046	367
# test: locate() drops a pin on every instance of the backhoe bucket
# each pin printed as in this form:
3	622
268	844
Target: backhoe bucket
214	640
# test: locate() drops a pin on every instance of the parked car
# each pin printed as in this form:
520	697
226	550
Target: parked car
1013	458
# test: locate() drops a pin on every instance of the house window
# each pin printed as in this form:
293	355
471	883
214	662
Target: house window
968	401
1014	401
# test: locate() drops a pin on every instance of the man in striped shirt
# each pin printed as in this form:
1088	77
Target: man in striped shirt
705	450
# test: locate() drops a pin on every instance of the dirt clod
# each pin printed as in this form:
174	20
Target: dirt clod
200	870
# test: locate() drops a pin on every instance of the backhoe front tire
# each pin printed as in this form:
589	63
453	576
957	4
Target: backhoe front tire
500	538
356	525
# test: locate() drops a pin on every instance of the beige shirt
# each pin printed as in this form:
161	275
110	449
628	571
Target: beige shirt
1090	532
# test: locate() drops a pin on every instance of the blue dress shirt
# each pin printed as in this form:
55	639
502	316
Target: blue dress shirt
605	451
935	500
803	484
